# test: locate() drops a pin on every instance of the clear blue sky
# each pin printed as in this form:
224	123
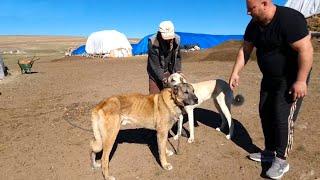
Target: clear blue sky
134	18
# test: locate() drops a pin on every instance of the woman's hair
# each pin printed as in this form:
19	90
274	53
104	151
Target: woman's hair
169	43
159	36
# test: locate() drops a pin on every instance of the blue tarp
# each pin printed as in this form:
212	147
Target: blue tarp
80	51
202	40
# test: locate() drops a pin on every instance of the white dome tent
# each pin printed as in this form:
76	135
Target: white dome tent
108	43
306	7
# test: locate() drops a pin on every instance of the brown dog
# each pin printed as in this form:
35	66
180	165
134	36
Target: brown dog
157	111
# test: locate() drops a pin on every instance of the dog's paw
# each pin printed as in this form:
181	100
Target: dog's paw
176	137
190	140
110	178
169	152
218	129
96	165
228	136
167	166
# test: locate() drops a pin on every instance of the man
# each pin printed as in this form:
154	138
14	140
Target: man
163	56
285	55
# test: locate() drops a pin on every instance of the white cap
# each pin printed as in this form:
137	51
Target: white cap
166	29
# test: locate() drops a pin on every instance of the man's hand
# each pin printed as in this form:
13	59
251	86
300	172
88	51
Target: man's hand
298	90
234	81
242	59
165	79
165	82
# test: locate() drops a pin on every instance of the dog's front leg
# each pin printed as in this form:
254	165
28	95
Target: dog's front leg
191	124
180	122
162	137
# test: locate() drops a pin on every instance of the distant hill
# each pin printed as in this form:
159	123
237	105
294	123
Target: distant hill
226	51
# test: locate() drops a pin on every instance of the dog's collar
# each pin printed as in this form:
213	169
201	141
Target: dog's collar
177	105
180	105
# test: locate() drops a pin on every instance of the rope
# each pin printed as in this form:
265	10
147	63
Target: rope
77	126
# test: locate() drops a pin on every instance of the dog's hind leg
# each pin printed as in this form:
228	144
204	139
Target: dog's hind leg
224	109
223	119
96	144
112	128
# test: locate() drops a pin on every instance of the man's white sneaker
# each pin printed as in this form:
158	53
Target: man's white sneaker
278	168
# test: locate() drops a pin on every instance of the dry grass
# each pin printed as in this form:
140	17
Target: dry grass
226	51
45	47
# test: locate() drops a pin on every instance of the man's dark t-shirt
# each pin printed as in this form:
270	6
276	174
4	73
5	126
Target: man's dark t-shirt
276	59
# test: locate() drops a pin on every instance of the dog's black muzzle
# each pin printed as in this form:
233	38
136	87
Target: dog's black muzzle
195	100
191	101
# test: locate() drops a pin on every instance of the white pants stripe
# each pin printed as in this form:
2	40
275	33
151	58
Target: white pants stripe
290	128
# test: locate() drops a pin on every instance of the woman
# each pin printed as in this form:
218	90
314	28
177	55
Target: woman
163	56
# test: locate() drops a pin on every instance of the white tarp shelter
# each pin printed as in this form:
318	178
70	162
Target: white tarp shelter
306	7
109	43
2	68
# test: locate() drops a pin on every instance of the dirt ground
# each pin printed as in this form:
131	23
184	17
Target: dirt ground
45	121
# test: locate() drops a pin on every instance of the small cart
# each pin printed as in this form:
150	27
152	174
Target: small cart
26	64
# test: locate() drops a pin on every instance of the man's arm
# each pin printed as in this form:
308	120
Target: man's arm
154	63
305	59
242	59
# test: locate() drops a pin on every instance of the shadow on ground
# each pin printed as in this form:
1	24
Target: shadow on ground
240	137
137	136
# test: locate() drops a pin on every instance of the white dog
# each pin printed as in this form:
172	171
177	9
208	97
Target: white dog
222	96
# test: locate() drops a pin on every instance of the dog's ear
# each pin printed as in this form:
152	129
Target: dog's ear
165	83
183	78
175	89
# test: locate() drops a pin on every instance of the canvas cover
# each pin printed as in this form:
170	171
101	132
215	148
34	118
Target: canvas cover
109	43
79	51
2	69
186	39
306	7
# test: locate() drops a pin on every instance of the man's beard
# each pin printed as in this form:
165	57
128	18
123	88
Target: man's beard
254	19
258	20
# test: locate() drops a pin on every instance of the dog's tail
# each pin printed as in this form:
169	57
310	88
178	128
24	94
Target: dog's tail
238	100
96	144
